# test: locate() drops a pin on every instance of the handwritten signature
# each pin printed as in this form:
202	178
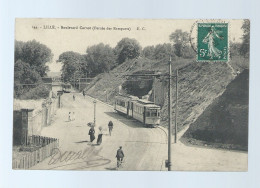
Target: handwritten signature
78	160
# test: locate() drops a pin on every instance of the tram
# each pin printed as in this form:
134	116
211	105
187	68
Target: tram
66	88
142	110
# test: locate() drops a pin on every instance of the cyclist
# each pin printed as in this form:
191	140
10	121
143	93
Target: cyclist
120	156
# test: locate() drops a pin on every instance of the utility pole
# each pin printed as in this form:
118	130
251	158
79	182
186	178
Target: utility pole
94	112
74	81
170	115
79	84
154	89
176	106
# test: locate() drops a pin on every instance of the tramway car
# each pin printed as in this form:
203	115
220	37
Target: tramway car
66	88
142	110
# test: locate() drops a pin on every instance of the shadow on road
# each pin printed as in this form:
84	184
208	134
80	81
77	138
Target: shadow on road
111	168
127	121
83	141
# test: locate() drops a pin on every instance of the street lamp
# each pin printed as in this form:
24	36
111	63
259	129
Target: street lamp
94	112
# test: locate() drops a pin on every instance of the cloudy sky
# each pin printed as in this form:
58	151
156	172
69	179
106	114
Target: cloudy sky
87	32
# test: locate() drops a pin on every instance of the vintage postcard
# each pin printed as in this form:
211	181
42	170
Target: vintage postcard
131	94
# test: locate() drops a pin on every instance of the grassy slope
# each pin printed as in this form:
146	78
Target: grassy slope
199	84
225	121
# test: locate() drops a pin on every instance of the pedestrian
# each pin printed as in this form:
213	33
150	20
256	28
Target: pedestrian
69	119
73	116
73	97
84	94
91	133
110	127
120	156
100	133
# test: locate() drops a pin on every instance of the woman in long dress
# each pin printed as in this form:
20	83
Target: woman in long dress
100	134
92	134
212	50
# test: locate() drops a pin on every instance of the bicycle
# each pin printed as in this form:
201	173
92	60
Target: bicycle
120	163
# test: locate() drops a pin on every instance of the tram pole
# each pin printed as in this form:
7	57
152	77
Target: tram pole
170	115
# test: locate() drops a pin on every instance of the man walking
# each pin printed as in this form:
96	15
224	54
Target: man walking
110	127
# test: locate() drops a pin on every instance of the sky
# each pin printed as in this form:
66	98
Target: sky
62	35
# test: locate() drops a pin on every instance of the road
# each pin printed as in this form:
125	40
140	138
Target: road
144	148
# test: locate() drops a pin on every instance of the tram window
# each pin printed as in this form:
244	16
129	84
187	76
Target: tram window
147	114
153	113
158	114
122	103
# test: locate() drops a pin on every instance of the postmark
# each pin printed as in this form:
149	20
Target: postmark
212	42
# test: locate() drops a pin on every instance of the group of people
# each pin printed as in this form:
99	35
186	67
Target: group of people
92	135
91	132
119	154
71	116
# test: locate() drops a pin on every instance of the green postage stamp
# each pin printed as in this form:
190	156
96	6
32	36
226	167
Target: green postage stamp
212	42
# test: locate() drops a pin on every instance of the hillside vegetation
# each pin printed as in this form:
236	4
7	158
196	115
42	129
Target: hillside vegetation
225	121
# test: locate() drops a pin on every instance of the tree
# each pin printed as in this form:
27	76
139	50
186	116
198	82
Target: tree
127	49
148	52
35	54
244	49
163	52
100	58
234	49
23	74
29	66
180	40
74	66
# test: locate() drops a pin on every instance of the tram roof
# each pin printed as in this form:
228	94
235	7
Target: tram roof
143	101
127	97
152	106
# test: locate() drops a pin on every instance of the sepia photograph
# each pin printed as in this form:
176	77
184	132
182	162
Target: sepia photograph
131	94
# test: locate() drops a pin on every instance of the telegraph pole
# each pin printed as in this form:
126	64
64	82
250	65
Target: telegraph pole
154	89
176	106
170	115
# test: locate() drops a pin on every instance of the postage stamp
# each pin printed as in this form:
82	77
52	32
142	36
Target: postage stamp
212	42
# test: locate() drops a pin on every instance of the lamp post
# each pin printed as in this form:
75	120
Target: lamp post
94	112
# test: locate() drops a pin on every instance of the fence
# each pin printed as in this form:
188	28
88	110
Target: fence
45	144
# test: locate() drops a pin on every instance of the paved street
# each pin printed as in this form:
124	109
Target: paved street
144	148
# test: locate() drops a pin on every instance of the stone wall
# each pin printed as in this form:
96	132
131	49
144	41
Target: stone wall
30	120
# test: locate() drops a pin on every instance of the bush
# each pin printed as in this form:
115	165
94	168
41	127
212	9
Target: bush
39	92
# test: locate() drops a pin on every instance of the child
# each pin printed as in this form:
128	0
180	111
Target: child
69	116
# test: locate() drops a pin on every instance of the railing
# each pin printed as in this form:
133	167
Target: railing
36	140
46	145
